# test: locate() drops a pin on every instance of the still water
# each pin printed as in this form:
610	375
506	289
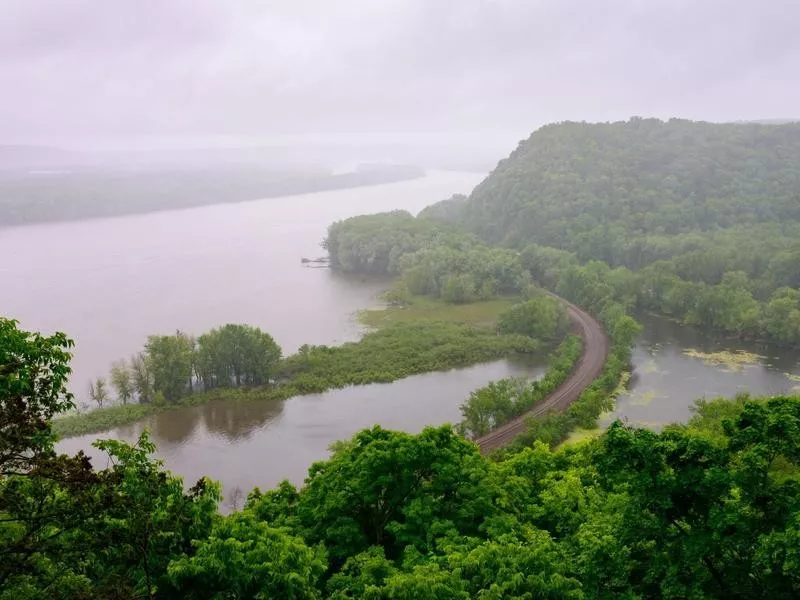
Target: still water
666	379
248	444
109	283
244	445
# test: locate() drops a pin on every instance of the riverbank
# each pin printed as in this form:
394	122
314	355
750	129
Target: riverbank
428	335
93	194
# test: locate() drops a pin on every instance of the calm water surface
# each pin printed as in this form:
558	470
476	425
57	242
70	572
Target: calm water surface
666	381
109	283
248	444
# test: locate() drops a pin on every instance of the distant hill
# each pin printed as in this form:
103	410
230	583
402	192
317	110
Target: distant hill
591	188
771	121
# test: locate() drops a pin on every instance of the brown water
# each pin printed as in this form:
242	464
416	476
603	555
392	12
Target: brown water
248	444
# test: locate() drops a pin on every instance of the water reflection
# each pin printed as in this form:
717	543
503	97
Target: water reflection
236	420
248	444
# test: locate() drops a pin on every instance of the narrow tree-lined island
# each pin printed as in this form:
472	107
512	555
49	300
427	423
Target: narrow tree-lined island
596	222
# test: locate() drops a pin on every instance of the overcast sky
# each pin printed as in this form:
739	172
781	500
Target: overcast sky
195	69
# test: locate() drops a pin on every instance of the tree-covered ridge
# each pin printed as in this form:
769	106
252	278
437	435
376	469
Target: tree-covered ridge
642	176
699	221
710	509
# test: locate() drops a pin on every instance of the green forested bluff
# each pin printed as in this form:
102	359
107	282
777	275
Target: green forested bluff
699	221
703	219
710	509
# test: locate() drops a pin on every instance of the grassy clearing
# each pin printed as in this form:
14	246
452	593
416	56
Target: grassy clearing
425	309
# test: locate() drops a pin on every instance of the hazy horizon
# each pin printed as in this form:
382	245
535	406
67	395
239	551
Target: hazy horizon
154	75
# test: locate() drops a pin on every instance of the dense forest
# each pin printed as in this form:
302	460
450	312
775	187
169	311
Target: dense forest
700	220
703	510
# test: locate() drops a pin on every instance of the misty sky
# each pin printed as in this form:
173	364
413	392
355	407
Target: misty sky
117	69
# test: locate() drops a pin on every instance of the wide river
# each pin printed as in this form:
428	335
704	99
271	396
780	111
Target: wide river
110	282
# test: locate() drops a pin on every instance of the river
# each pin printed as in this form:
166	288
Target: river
111	282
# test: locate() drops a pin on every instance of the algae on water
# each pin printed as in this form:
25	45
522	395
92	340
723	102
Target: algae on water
726	360
650	368
643	398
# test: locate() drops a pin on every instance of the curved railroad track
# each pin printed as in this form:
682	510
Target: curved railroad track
589	367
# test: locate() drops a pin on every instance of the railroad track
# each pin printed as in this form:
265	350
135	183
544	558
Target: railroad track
589	367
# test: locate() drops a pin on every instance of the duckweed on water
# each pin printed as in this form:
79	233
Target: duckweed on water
650	368
643	398
731	362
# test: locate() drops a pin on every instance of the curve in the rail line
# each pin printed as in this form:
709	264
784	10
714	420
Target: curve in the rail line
589	367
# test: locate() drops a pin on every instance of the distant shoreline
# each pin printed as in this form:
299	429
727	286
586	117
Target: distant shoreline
77	196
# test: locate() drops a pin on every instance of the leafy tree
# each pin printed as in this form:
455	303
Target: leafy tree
391	489
459	289
235	355
170	362
122	381
245	558
142	377
44	497
704	509
149	520
33	378
398	295
541	317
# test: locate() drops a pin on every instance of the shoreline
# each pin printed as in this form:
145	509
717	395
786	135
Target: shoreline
432	315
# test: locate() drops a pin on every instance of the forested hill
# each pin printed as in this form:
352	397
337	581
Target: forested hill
642	176
699	221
